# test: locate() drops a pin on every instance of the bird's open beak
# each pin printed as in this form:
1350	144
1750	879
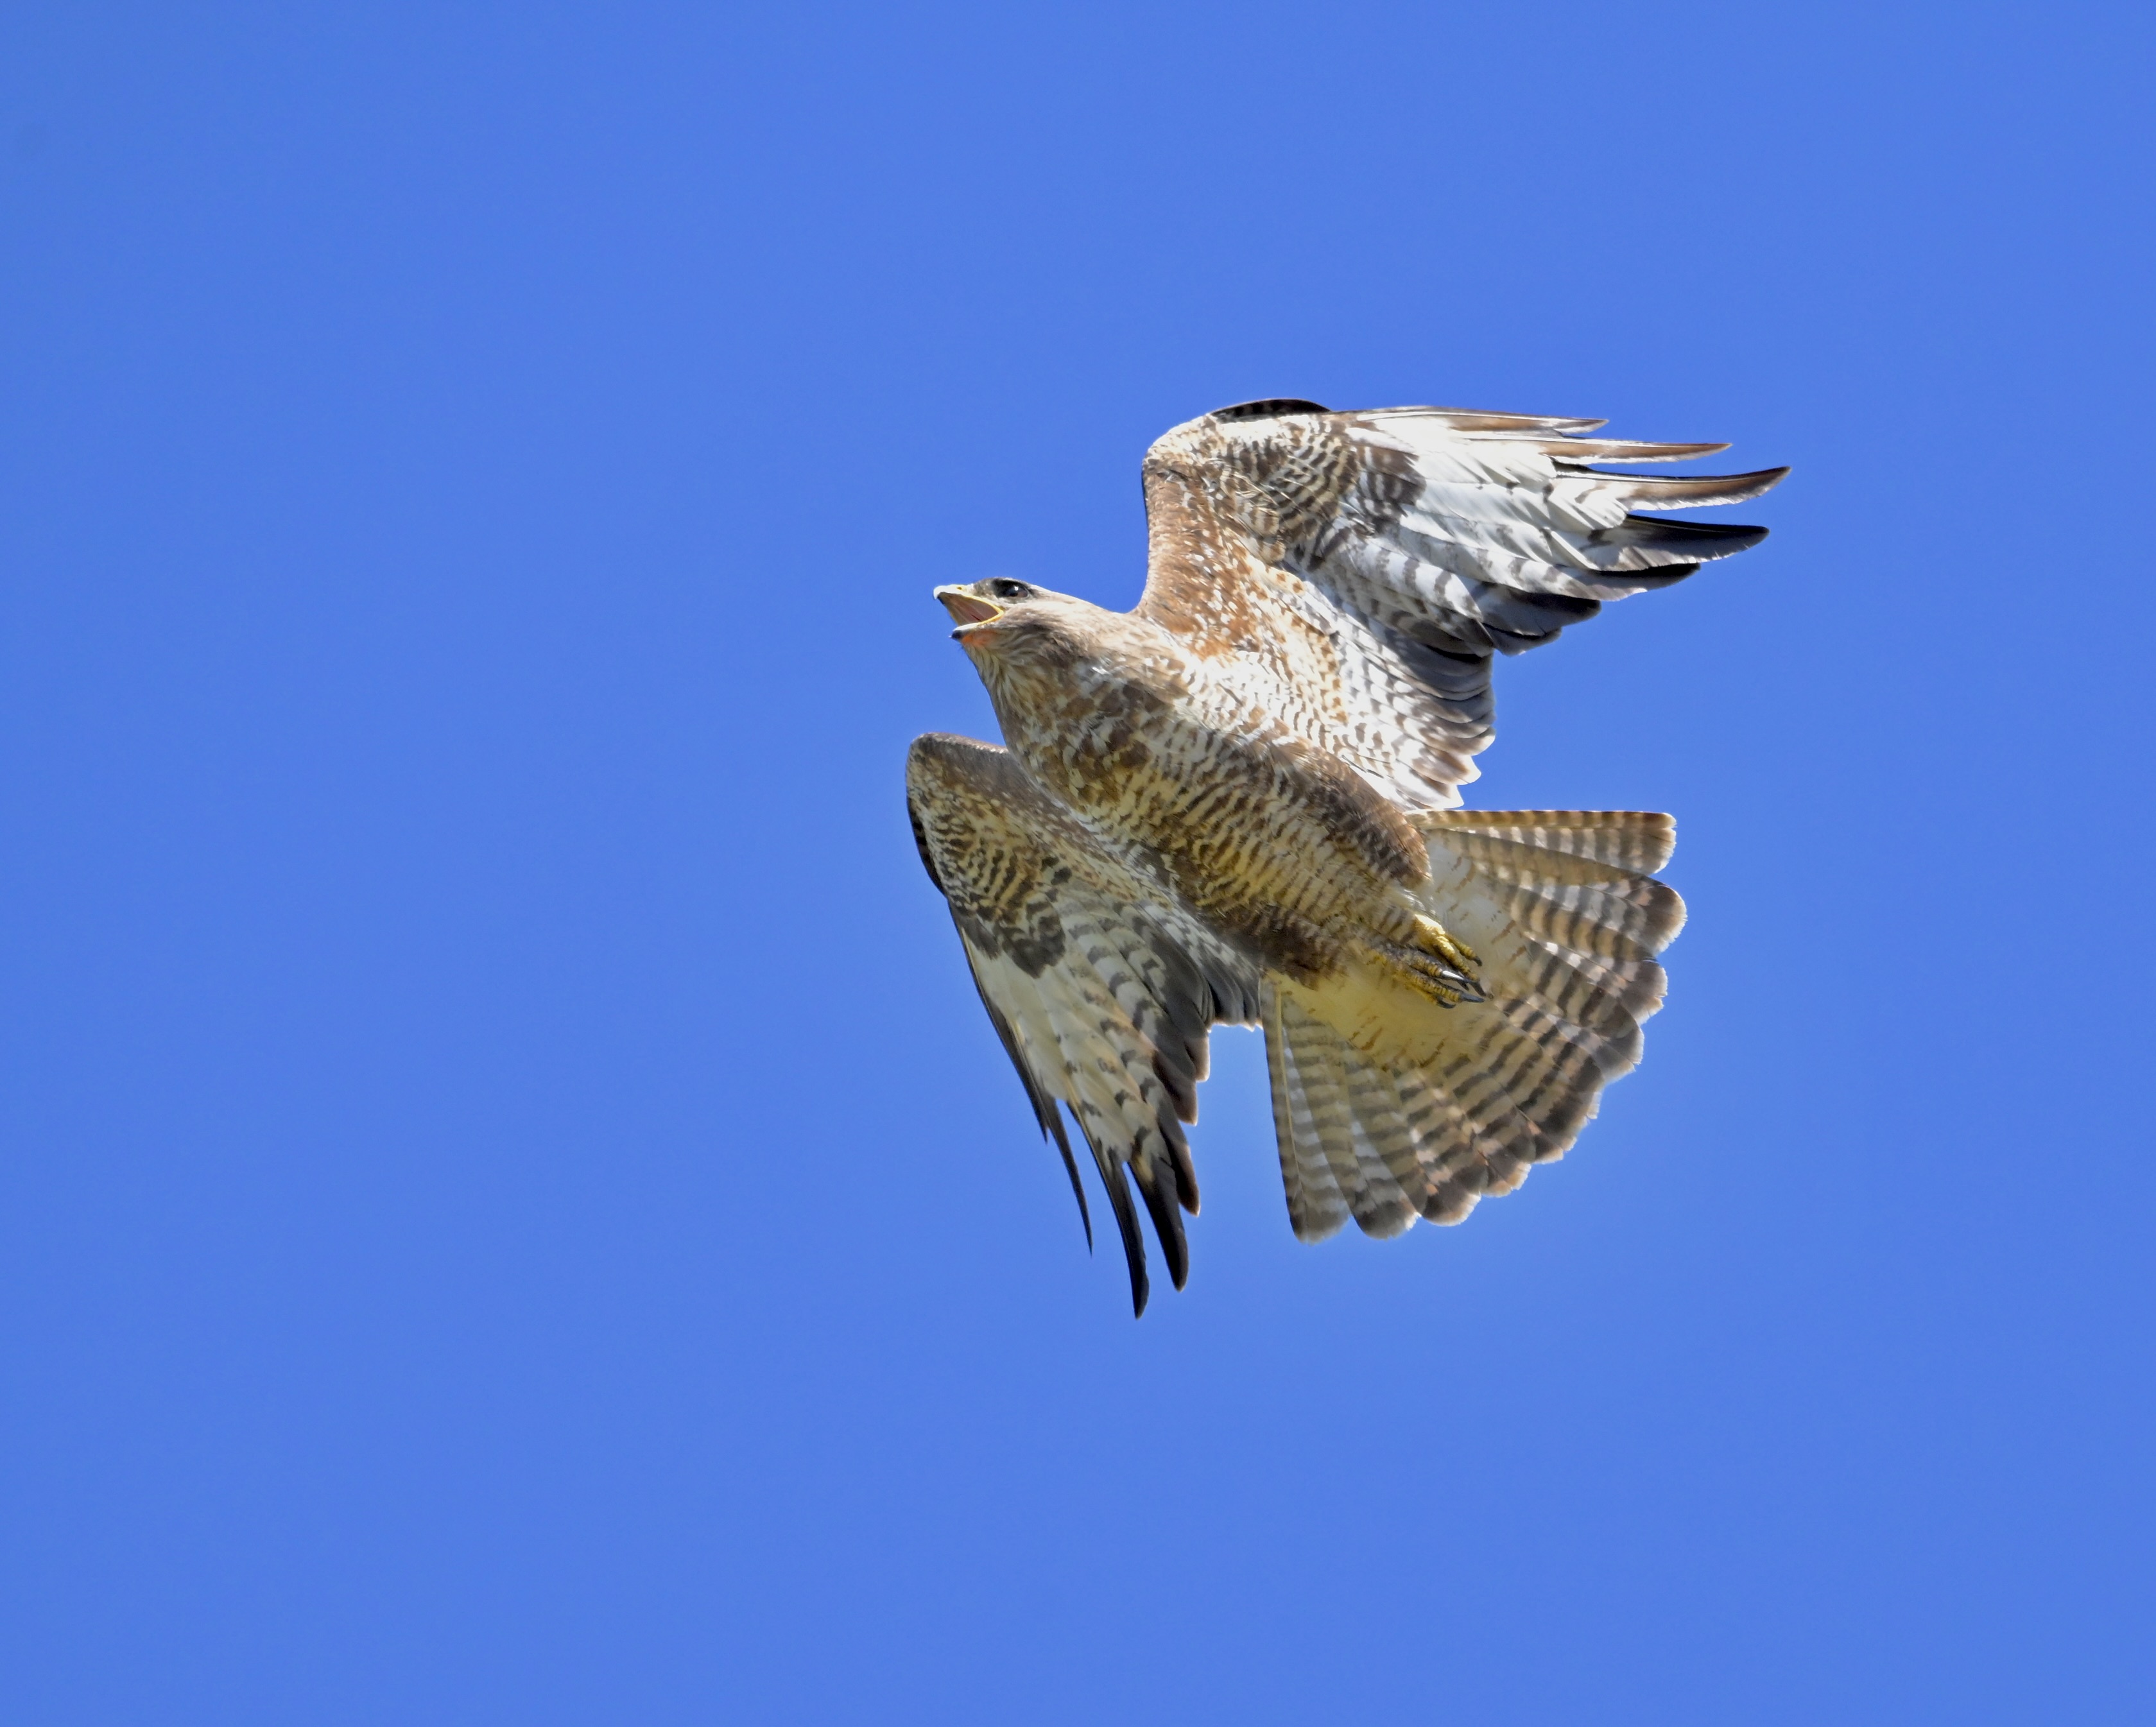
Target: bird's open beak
969	610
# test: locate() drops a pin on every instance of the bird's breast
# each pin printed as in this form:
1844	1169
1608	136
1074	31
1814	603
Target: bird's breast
1274	841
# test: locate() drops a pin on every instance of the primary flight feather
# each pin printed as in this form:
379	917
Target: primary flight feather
1238	803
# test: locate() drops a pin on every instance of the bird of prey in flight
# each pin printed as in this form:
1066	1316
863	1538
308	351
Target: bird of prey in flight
1239	804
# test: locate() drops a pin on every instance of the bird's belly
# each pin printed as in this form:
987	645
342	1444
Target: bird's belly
1389	1022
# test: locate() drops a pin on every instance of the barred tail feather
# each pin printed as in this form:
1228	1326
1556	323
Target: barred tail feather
1562	910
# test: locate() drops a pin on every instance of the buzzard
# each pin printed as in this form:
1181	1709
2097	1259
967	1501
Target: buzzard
1239	804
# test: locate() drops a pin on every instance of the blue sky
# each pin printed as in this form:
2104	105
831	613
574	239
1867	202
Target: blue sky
509	1210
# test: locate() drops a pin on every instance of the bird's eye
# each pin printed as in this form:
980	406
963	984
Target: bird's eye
1006	590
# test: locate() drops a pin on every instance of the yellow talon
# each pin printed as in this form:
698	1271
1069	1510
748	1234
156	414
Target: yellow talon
1439	965
1441	941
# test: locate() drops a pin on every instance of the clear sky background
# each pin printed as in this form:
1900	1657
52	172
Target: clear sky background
511	1210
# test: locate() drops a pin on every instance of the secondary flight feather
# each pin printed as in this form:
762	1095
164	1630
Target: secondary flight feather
1238	803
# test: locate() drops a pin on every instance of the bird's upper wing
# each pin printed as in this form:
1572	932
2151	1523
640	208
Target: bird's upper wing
1359	568
1100	987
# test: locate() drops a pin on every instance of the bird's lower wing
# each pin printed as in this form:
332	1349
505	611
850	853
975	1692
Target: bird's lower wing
1101	989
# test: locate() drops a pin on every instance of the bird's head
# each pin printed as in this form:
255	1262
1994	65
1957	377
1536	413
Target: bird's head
1031	645
1001	619
989	613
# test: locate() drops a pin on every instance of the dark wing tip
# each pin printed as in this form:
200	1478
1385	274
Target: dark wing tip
1054	1122
1116	1179
1694	542
1160	1201
1271	408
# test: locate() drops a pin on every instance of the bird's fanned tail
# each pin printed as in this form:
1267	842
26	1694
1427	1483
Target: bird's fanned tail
1562	911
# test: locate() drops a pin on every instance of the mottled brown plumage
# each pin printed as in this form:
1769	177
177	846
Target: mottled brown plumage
1236	804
